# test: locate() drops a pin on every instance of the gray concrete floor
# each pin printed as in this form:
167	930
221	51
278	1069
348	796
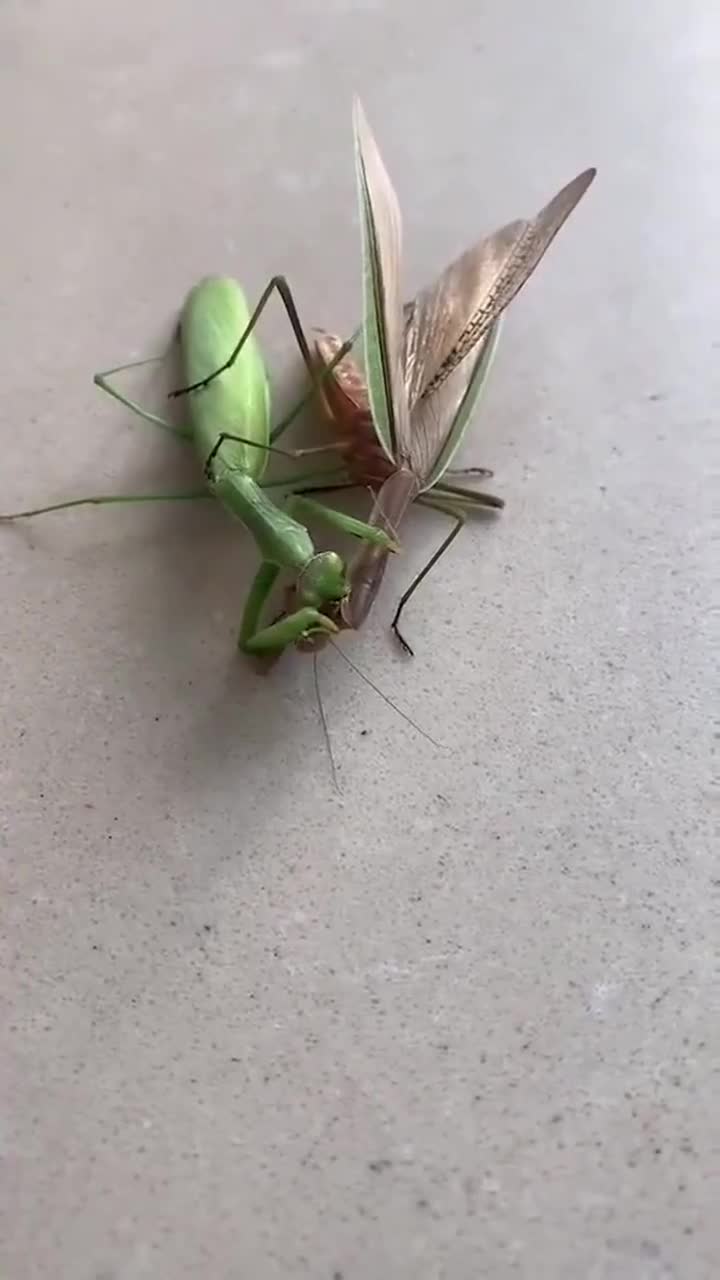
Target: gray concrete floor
458	1021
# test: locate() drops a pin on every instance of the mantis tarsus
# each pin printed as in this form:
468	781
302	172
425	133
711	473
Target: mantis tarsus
215	321
400	422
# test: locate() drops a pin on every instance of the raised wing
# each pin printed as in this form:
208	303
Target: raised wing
384	322
496	269
437	318
445	372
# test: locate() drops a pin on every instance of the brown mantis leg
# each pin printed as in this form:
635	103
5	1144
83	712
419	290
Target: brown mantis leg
454	502
459	516
468	497
483	472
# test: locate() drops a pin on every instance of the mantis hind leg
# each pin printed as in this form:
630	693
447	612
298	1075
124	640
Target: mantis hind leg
279	284
316	382
334	446
102	499
473	499
455	502
101	380
311	481
459	517
481	472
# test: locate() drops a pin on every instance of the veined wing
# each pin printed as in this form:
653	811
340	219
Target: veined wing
500	265
384	321
448	320
435	320
405	484
441	418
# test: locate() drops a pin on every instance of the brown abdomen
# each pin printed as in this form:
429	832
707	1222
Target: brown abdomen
348	411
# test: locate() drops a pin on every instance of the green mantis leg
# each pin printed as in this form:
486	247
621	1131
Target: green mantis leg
318	483
105	499
101	380
289	629
334	446
185	432
305	621
298	505
281	285
301	506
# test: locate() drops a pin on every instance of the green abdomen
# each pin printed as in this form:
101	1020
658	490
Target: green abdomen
214	318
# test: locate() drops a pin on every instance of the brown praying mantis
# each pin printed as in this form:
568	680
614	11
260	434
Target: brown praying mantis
401	419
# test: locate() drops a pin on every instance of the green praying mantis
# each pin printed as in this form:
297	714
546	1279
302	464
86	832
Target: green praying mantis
237	396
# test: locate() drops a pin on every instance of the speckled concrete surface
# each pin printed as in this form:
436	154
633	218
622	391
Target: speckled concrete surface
458	1022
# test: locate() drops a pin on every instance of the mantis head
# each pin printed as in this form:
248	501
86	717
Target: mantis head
324	580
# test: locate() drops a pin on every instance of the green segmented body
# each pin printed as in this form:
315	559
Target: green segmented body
238	399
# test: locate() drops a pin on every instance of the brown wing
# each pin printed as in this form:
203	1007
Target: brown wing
437	318
435	321
496	269
454	319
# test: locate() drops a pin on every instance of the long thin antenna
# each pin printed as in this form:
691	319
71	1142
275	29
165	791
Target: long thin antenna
384	696
324	723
